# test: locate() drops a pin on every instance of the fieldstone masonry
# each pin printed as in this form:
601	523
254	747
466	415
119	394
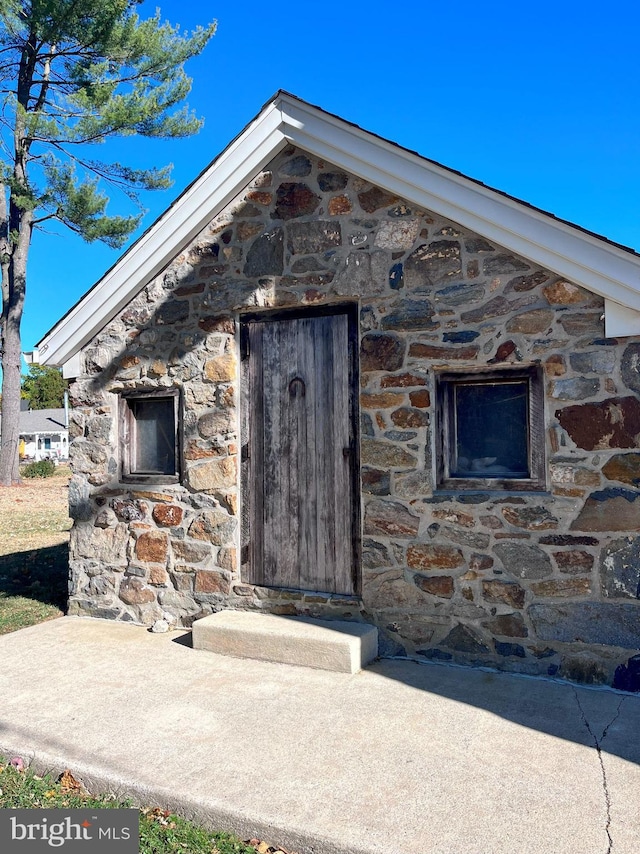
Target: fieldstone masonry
541	583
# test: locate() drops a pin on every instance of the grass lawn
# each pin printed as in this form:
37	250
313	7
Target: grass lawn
34	536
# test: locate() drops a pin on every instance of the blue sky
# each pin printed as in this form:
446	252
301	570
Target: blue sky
539	100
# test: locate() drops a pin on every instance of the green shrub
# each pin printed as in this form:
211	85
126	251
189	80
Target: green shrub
43	468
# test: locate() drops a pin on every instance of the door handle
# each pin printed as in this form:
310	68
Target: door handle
297	384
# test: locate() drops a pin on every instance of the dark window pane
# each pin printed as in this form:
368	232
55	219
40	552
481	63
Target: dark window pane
155	436
491	430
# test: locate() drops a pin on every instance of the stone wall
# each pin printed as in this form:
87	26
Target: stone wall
544	583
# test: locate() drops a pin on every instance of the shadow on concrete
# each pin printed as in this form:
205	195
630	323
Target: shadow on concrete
184	639
596	717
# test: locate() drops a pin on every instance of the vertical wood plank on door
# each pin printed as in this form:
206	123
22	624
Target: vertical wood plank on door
256	452
307	460
245	456
286	526
277	451
324	413
342	497
269	427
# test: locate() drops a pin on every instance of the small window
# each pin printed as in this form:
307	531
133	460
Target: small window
149	437
491	430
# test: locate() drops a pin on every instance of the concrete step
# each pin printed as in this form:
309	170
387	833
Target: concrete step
335	645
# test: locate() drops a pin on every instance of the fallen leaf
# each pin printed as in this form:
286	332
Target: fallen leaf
159	815
69	784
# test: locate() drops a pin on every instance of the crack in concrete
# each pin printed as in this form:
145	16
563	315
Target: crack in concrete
598	745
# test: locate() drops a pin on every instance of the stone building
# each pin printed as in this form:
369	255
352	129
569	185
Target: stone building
338	379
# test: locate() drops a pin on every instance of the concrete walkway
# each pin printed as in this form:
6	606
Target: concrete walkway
399	759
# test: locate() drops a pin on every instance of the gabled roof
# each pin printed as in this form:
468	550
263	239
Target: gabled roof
585	258
42	421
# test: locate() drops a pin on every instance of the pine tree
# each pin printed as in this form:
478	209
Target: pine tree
74	73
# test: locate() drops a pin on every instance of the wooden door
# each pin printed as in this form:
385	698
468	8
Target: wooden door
299	452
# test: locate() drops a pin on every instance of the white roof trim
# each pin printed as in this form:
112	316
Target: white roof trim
583	258
620	320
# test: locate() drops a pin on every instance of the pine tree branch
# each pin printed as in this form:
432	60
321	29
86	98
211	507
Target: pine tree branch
36	222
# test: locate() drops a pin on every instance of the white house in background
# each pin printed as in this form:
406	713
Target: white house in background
44	434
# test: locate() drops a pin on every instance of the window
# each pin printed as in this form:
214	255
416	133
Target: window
490	432
149	436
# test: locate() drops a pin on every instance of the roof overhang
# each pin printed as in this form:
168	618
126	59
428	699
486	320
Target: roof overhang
584	258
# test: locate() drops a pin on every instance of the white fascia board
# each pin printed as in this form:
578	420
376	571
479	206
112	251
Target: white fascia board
582	258
72	368
197	206
620	321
